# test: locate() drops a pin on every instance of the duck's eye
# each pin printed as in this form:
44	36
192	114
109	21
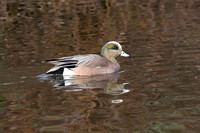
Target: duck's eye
115	47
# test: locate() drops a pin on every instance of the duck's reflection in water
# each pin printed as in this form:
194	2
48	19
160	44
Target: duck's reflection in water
108	82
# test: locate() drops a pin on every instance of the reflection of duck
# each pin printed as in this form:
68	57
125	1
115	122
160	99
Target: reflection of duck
108	82
89	64
113	88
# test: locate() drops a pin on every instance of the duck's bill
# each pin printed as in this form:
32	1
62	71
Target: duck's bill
124	54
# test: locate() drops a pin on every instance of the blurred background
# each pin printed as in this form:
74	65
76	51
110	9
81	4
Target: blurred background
162	36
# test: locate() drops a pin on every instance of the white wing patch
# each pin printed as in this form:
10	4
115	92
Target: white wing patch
68	72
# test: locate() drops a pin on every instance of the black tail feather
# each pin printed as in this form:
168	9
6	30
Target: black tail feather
58	71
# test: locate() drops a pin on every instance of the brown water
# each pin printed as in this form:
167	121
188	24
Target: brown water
158	91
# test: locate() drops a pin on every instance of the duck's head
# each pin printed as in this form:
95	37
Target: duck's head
111	50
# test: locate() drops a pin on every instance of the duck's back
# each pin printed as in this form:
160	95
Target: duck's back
88	64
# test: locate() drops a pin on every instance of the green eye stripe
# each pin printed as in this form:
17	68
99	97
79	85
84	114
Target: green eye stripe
112	46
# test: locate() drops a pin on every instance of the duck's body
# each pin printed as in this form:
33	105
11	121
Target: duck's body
89	64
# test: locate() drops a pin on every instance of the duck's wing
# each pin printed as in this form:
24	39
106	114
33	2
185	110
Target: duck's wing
89	60
66	62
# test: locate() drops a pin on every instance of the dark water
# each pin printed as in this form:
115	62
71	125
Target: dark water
158	91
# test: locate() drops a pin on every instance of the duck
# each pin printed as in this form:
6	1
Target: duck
89	64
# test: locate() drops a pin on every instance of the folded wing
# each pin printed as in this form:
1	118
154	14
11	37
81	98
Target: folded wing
89	60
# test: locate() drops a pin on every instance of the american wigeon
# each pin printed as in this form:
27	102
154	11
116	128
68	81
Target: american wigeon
89	64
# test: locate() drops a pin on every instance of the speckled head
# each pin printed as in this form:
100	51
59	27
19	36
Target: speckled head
111	50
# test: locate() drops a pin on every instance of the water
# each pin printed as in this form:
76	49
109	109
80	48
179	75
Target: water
157	90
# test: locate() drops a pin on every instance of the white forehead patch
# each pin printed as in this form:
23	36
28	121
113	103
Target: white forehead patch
116	43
